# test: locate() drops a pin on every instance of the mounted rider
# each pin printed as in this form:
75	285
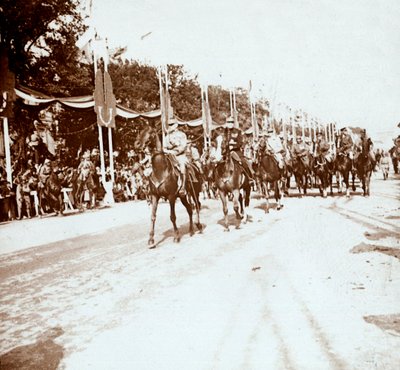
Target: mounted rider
365	141
193	155
274	145
301	151
235	145
176	144
323	150
345	143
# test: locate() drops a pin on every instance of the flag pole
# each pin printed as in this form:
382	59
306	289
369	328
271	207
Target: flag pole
235	118
110	143
7	150
162	107
101	144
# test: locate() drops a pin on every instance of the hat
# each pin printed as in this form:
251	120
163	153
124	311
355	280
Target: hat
47	160
299	137
230	120
343	129
319	133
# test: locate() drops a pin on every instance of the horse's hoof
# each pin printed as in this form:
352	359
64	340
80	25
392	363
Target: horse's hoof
226	229
191	233
177	239
237	227
199	227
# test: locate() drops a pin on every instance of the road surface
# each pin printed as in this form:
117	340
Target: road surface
315	285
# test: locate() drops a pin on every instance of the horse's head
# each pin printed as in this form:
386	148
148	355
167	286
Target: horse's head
147	138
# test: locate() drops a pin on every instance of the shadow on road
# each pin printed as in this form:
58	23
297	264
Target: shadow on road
363	248
389	323
44	354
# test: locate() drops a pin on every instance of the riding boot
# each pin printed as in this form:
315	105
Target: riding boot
182	190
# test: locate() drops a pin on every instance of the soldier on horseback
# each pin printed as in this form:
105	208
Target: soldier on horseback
323	150
366	142
345	144
274	145
235	145
176	144
301	150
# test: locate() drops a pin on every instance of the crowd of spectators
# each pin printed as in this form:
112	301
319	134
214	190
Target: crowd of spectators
30	158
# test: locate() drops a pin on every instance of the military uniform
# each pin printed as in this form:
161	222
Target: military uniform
235	145
176	144
323	150
274	144
346	145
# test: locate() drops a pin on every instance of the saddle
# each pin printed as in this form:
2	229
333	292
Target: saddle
190	168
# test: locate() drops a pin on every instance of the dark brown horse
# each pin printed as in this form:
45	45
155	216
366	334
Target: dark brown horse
230	178
364	165
269	174
323	170
343	167
301	167
164	182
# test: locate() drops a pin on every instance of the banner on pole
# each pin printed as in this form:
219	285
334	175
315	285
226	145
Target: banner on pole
104	99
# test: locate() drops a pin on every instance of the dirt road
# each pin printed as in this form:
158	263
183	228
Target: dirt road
315	285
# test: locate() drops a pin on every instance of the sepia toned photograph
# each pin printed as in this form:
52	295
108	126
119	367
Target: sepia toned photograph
199	185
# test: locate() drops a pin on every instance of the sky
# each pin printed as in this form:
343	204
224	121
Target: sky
336	60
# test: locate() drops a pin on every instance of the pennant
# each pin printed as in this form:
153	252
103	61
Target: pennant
105	103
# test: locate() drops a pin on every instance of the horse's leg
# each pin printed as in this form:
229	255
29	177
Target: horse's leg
278	194
236	203
196	199
266	195
189	210
346	182
154	205
172	200
353	178
224	201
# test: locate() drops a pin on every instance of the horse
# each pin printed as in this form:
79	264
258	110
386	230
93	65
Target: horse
301	167
269	173
209	188
343	168
323	171
164	182
230	179
50	194
364	166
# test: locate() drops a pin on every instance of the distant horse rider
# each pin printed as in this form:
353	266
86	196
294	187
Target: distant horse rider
176	144
346	143
323	150
275	146
301	151
235	144
366	142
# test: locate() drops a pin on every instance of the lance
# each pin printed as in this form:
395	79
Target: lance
235	117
